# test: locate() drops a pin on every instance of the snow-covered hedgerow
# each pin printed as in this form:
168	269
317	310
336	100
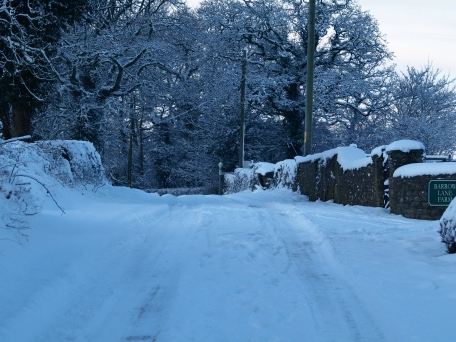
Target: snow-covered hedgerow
285	174
73	162
448	227
31	172
281	175
240	180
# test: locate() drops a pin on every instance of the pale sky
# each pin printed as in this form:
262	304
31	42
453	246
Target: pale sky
417	31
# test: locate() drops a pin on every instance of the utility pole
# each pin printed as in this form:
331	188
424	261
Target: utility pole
130	148
130	151
242	129
310	79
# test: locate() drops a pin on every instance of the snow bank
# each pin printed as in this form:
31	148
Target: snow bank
422	169
405	146
349	157
448	227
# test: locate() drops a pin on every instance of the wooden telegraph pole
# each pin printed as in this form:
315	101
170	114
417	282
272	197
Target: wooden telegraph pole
310	79
242	129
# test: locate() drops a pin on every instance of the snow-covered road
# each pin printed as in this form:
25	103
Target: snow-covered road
122	265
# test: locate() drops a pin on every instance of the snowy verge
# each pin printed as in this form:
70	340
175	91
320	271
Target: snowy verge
73	162
405	146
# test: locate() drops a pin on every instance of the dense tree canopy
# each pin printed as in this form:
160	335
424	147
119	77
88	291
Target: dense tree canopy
29	32
156	85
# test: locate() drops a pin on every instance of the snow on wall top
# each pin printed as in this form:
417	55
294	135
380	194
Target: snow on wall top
405	146
349	158
421	169
378	151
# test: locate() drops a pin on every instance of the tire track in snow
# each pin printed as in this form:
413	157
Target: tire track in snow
157	271
220	269
118	288
339	313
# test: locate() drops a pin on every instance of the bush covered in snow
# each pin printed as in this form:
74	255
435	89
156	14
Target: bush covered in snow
285	174
73	162
240	180
448	227
30	172
281	175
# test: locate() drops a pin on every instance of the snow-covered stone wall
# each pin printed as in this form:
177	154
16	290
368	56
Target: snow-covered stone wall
346	175
409	188
391	175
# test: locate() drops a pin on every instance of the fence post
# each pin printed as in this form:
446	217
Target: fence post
221	173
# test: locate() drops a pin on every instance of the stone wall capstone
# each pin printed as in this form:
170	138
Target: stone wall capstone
398	158
410	185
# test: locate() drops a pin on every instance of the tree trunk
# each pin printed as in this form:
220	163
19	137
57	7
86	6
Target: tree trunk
141	147
293	122
130	153
21	121
6	123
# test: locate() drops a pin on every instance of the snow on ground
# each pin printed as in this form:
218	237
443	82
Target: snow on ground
123	265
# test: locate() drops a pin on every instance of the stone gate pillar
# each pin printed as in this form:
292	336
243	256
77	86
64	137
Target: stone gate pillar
402	153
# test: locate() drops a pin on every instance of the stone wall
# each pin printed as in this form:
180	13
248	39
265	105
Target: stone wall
409	197
306	177
364	186
398	158
325	179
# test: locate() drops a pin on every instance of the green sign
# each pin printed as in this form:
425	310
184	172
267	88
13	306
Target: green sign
441	192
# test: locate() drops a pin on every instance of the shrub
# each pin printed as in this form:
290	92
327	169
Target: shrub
448	227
